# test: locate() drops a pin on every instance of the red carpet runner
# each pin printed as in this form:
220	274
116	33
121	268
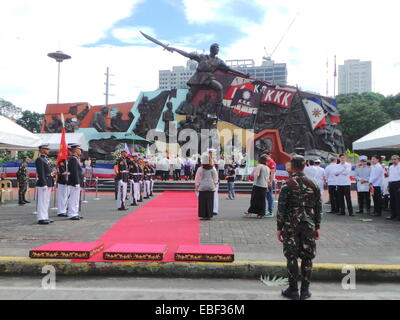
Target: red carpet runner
169	219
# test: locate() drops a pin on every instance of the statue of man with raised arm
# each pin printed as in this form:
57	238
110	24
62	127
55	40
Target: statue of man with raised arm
207	65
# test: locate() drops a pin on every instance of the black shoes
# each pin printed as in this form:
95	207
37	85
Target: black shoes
291	293
305	292
43	222
134	204
62	215
122	209
359	212
75	218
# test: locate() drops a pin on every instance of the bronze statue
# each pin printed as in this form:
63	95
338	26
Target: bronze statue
167	117
55	126
204	77
117	124
186	106
99	120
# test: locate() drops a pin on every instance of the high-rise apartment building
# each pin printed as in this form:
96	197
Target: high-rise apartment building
178	77
268	71
355	77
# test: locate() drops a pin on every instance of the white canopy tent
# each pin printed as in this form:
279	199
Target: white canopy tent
386	137
15	137
54	139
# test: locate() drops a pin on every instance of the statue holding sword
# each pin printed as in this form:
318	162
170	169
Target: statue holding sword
204	77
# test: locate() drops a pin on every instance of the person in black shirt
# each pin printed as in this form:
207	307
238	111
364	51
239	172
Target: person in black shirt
231	182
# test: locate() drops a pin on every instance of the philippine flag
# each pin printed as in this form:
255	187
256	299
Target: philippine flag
128	151
315	112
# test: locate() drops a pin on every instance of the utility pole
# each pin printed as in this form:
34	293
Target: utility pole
108	84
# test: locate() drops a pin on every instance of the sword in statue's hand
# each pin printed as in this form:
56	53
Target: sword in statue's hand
165	46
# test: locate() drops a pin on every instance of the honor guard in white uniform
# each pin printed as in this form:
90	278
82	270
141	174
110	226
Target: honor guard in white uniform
75	182
146	180
153	174
134	178
141	183
122	180
43	185
62	189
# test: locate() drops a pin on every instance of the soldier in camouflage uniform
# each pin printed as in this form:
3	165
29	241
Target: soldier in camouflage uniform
298	224
23	180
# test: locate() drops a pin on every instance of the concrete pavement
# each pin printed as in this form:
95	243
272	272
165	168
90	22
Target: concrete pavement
372	247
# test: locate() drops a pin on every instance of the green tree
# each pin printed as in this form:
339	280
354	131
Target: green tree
391	105
9	110
359	118
31	121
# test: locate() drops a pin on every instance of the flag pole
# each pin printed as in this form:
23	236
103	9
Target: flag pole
334	79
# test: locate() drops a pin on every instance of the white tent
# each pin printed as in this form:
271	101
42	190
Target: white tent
15	137
54	139
386	137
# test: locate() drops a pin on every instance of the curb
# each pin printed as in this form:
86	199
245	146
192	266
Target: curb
234	270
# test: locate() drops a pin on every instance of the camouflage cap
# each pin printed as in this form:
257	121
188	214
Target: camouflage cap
298	160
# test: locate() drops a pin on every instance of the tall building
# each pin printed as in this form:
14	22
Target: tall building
268	71
354	77
177	78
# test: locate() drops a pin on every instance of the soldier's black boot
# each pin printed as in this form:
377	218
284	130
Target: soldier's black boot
24	199
20	199
304	291
292	292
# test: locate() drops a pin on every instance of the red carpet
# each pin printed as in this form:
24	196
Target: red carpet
169	219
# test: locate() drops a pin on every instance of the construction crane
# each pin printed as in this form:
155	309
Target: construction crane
267	56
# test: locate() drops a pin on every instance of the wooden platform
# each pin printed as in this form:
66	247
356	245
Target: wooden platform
66	250
128	251
206	253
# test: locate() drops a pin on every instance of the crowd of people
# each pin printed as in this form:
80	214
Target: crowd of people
374	181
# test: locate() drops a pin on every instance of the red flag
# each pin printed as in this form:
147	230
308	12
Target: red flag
63	151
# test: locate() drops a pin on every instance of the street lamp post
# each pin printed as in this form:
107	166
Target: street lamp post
59	56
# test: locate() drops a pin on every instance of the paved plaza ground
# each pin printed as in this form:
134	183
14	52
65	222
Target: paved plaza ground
344	239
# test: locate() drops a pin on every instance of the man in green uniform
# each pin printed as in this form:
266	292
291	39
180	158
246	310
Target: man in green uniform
298	224
23	180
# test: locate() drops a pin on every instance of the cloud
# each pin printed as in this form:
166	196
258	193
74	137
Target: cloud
349	29
131	35
31	29
233	13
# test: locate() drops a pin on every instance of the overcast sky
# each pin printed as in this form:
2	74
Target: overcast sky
102	33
